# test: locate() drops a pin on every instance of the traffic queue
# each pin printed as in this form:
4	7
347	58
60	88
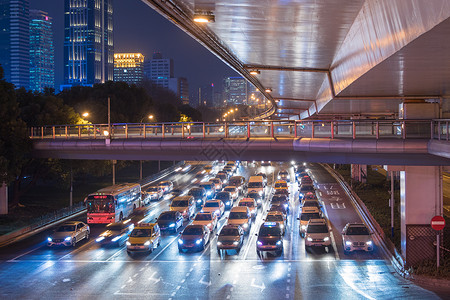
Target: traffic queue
216	189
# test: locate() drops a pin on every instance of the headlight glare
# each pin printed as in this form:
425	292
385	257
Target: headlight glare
67	239
147	243
116	238
326	239
348	243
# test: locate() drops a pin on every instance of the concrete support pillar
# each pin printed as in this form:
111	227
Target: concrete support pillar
420	200
3	199
359	172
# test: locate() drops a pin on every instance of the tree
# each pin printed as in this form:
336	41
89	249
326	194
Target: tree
14	141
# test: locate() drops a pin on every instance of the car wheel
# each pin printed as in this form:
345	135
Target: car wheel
238	250
87	236
302	234
159	243
258	253
121	216
279	252
307	248
346	252
74	242
219	252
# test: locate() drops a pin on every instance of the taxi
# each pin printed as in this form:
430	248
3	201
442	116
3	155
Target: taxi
144	238
214	206
208	219
185	205
279	218
269	239
251	204
281	185
307	214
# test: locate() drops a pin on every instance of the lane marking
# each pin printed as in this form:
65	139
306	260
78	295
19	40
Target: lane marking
77	250
163	249
116	253
23	254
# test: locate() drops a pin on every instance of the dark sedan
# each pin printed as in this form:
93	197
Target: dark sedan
170	221
231	237
116	234
194	237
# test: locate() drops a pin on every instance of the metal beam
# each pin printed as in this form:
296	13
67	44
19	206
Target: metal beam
287	69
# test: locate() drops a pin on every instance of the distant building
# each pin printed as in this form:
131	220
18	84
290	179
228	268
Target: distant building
129	67
206	95
235	90
180	87
159	70
42	52
15	41
88	42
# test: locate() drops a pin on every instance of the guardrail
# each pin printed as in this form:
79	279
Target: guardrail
66	213
351	129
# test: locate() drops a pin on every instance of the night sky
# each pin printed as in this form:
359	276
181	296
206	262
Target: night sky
138	28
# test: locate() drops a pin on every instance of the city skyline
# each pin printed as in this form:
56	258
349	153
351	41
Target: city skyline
137	28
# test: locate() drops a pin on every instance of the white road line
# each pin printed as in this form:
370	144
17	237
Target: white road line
23	254
75	251
116	253
167	246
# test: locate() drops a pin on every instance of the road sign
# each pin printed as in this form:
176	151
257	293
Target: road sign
438	223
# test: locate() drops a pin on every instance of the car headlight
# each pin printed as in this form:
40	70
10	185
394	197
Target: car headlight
228	203
348	243
198	242
279	177
301	195
128	243
245	226
67	239
219	243
259	201
288	177
369	243
278	243
259	243
100	239
309	239
260	193
147	243
235	243
180	241
172	225
286	206
208	193
303	227
116	238
217	212
326	239
209	224
199	201
49	239
281	226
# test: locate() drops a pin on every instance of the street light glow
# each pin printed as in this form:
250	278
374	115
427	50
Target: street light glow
85	114
150	117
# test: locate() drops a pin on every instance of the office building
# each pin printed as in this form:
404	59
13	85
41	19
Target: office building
235	90
42	52
88	42
15	42
180	87
129	67
159	70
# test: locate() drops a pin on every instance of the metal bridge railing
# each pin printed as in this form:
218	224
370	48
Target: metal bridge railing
349	129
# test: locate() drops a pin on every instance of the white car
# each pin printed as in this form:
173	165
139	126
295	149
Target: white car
208	219
317	234
69	234
356	236
214	206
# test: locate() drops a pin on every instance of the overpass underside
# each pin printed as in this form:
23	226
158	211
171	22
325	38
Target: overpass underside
342	151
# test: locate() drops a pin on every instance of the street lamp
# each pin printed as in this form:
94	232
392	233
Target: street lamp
86	114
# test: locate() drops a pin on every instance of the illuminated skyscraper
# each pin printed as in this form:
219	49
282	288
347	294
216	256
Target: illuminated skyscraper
235	90
42	52
15	42
129	67
159	70
88	43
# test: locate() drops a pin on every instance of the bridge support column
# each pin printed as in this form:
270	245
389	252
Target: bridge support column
359	172
3	199
420	200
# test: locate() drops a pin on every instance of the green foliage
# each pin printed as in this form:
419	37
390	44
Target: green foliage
14	142
428	267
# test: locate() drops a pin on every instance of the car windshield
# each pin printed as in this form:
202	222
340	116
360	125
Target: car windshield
65	228
211	204
196	193
255	184
206	186
238	215
281	185
223	196
273	218
141	233
268	231
311	204
281	197
307	188
100	206
247	203
166	216
357	230
309	216
229	232
235	181
231	190
193	231
180	203
317	229
152	189
177	191
203	217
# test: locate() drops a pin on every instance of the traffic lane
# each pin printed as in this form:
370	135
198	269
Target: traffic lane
340	211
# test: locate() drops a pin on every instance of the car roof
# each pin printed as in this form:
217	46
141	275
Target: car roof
194	226
213	201
280	181
239	208
71	223
310	210
317	222
274	212
181	198
356	225
145	226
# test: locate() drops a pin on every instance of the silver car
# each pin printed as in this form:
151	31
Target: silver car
356	236
69	234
